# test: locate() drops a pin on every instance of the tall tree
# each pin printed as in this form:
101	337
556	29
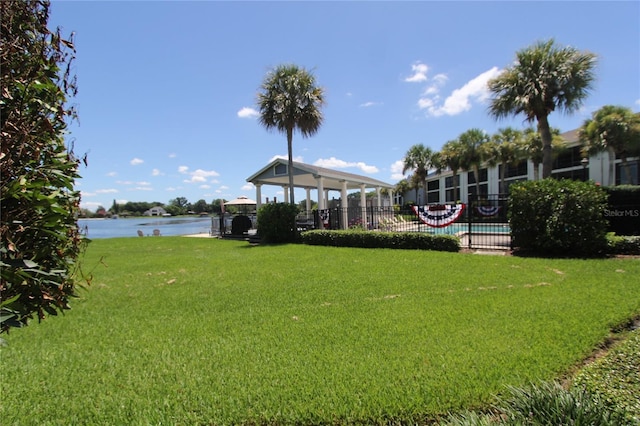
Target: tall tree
39	236
504	148
451	157
290	100
419	160
471	152
544	77
614	129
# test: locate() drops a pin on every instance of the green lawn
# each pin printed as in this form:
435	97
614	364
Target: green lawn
178	330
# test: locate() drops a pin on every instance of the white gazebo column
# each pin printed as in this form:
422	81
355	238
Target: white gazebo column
308	202
344	203
258	196
321	197
379	203
285	188
363	204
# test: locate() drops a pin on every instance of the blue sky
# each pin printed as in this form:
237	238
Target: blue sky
167	90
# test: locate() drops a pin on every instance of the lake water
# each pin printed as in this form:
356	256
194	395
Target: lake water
111	228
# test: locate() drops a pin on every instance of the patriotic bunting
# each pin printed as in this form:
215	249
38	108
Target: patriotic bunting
439	215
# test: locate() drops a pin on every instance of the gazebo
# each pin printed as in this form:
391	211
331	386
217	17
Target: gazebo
321	179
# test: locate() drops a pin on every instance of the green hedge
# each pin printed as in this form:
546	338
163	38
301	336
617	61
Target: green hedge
395	240
621	244
558	218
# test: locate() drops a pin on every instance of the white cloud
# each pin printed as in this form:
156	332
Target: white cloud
156	172
334	163
638	102
199	176
248	187
106	191
204	186
247	112
460	100
124	182
172	155
297	159
396	170
419	73
143	183
112	174
142	188
370	104
136	161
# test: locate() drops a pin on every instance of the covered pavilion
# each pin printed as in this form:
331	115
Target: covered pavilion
321	179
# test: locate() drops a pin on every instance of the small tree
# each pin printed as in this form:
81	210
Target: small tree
39	235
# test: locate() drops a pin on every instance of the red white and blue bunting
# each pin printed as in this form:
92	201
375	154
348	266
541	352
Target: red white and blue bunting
488	210
439	215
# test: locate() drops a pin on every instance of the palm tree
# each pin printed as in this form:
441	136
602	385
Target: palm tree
418	159
290	100
402	187
472	154
451	157
532	147
614	129
504	148
545	77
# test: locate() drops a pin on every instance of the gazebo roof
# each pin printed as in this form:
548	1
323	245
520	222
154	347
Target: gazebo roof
305	176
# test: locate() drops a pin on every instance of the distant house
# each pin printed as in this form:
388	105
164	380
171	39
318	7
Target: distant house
155	211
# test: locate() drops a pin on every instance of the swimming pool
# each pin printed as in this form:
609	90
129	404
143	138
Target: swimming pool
476	228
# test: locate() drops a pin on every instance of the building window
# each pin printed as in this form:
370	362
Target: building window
520	169
629	175
280	169
482	176
568	158
433	191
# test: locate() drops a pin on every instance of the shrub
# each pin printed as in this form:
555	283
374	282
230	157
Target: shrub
621	244
277	223
395	240
558	217
40	239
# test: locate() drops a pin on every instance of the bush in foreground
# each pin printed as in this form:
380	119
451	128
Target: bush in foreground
39	236
276	223
393	240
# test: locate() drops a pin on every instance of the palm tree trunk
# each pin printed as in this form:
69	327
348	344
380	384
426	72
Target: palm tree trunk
612	166
545	135
503	172
476	174
455	186
290	163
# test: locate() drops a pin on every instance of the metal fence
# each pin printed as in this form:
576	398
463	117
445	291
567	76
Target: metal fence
481	225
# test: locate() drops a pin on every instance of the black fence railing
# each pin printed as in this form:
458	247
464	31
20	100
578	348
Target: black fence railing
480	224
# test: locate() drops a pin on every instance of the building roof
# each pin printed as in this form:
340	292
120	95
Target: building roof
305	176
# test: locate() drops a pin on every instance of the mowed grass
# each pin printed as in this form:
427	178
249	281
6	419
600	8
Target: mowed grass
178	330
